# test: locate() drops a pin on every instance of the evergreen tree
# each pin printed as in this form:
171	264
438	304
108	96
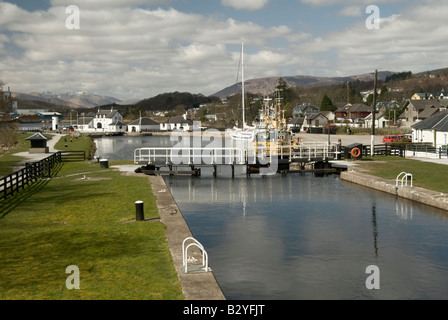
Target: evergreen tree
327	104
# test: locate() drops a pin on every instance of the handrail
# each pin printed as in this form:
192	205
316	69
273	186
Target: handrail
185	254
404	177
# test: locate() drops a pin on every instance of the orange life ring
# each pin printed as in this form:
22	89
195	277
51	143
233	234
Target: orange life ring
356	152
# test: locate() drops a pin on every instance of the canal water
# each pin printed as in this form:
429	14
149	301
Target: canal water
306	237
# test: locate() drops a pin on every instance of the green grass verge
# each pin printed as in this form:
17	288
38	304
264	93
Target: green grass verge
65	221
425	174
81	143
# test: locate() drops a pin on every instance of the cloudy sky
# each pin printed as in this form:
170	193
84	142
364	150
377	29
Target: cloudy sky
139	48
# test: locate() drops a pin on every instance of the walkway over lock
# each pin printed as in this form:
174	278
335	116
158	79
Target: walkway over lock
234	156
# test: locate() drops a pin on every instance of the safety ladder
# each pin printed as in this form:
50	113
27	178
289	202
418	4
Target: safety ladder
405	177
194	268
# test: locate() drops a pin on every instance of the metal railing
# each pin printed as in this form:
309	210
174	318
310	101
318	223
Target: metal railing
231	156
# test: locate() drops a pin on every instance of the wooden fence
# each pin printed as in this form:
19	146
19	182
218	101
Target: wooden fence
13	183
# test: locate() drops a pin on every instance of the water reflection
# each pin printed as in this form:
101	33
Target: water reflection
301	237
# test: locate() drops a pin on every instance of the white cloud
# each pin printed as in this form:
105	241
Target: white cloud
352	11
132	52
245	5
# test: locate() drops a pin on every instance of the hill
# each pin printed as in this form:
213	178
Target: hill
266	86
169	101
74	100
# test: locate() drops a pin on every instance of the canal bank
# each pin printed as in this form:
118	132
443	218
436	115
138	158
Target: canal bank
195	286
201	286
421	195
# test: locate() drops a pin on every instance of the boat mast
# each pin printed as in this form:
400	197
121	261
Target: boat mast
242	76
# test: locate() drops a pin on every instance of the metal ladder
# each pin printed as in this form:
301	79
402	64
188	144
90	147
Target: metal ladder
194	268
404	180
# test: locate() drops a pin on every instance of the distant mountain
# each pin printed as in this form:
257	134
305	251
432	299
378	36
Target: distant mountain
266	86
74	100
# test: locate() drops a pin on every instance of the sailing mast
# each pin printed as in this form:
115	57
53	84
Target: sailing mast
242	76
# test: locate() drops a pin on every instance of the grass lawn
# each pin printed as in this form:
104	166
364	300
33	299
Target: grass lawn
64	221
425	174
8	159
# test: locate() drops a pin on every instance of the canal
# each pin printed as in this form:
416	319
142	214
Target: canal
306	237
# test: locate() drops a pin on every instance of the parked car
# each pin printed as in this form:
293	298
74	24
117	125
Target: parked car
391	139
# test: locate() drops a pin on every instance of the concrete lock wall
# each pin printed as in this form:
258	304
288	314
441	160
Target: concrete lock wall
421	195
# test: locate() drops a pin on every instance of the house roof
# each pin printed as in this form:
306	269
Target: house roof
108	113
37	136
180	119
296	121
144	121
357	107
420	105
312	116
306	108
438	122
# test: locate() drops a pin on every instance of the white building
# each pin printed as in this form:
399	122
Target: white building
433	130
143	124
177	123
105	121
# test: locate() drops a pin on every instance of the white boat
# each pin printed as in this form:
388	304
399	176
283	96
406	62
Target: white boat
247	133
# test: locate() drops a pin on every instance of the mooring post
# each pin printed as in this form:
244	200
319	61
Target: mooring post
140	215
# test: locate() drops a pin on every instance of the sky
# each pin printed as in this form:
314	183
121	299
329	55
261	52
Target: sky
137	49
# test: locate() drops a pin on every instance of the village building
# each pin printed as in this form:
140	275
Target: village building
301	110
415	111
433	130
104	121
314	122
381	121
353	112
143	124
181	123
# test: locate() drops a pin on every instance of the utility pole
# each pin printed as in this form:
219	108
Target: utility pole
372	143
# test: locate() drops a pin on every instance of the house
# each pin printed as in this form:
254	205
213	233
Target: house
31	123
314	122
104	121
353	111
422	96
143	124
380	120
181	123
433	130
295	124
303	109
417	110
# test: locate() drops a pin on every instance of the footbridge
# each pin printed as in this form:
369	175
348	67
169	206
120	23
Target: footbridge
277	157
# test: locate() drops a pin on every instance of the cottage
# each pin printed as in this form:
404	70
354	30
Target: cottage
417	110
380	121
295	124
353	111
315	122
143	124
181	123
304	109
433	130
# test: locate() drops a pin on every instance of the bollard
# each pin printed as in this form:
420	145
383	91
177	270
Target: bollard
140	215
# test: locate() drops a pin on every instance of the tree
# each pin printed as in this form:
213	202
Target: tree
327	104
